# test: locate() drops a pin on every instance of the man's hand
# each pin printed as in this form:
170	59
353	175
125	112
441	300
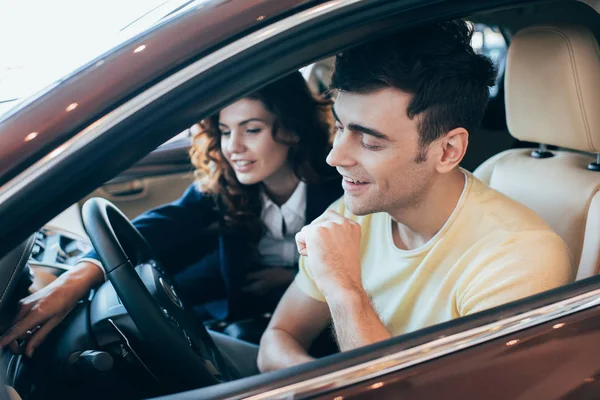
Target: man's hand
332	245
265	280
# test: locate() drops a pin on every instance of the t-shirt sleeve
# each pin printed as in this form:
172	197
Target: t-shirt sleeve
304	278
305	281
526	264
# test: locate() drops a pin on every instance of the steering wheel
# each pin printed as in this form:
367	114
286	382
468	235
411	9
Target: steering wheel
187	353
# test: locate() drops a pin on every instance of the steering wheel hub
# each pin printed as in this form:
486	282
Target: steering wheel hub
170	292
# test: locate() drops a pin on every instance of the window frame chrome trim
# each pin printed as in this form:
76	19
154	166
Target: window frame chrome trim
97	128
431	350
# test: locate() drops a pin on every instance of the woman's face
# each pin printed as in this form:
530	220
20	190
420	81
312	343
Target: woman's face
247	142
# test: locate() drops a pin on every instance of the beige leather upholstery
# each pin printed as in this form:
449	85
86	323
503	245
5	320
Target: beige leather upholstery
553	97
553	87
560	189
588	265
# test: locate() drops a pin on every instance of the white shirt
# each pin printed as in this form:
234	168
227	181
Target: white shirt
276	248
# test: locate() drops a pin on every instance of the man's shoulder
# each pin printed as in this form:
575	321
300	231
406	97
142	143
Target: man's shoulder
508	246
495	210
499	223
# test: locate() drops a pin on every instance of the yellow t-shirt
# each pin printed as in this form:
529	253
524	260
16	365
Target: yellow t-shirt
492	250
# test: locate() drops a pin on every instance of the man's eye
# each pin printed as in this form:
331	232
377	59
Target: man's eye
371	147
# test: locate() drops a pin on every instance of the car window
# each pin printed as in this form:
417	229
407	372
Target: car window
65	35
489	41
317	76
181	137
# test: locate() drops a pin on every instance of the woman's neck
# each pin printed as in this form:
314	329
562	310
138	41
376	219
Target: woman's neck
281	185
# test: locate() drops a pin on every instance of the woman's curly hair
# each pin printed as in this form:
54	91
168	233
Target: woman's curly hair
297	110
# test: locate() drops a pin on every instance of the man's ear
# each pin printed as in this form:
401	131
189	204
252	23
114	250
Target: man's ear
453	146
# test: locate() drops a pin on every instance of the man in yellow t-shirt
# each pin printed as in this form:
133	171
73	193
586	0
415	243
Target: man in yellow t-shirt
416	240
491	250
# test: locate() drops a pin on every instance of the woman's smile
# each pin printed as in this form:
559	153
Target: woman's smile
243	165
248	142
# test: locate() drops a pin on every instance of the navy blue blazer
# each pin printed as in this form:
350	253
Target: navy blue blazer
208	266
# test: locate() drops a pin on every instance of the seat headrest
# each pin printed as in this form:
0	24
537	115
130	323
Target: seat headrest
553	87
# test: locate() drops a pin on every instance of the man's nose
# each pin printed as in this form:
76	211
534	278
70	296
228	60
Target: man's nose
340	154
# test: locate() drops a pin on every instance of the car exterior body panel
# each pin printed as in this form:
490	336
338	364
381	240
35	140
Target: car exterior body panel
57	113
555	360
547	352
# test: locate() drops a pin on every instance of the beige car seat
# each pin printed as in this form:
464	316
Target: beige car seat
552	86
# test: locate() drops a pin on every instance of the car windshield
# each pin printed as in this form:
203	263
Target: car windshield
62	35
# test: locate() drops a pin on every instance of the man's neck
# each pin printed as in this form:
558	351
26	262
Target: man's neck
415	226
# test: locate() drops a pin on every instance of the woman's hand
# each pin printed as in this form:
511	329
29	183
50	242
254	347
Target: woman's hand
45	309
265	280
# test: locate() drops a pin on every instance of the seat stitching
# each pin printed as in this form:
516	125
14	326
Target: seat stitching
575	78
591	139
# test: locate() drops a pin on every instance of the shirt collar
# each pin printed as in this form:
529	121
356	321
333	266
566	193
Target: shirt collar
295	205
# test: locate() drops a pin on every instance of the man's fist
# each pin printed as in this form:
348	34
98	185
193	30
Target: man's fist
332	245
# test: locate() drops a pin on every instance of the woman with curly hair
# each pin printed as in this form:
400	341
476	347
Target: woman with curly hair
228	241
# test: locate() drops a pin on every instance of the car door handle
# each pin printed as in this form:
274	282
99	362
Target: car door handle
125	189
125	193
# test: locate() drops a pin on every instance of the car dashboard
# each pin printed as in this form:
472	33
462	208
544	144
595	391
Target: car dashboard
62	366
55	251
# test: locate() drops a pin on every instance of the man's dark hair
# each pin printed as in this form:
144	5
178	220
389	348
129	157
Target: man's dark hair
436	64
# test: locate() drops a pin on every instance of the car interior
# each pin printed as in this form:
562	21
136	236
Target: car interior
538	144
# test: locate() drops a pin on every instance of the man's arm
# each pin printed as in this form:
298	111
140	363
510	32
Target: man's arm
297	321
355	320
331	245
